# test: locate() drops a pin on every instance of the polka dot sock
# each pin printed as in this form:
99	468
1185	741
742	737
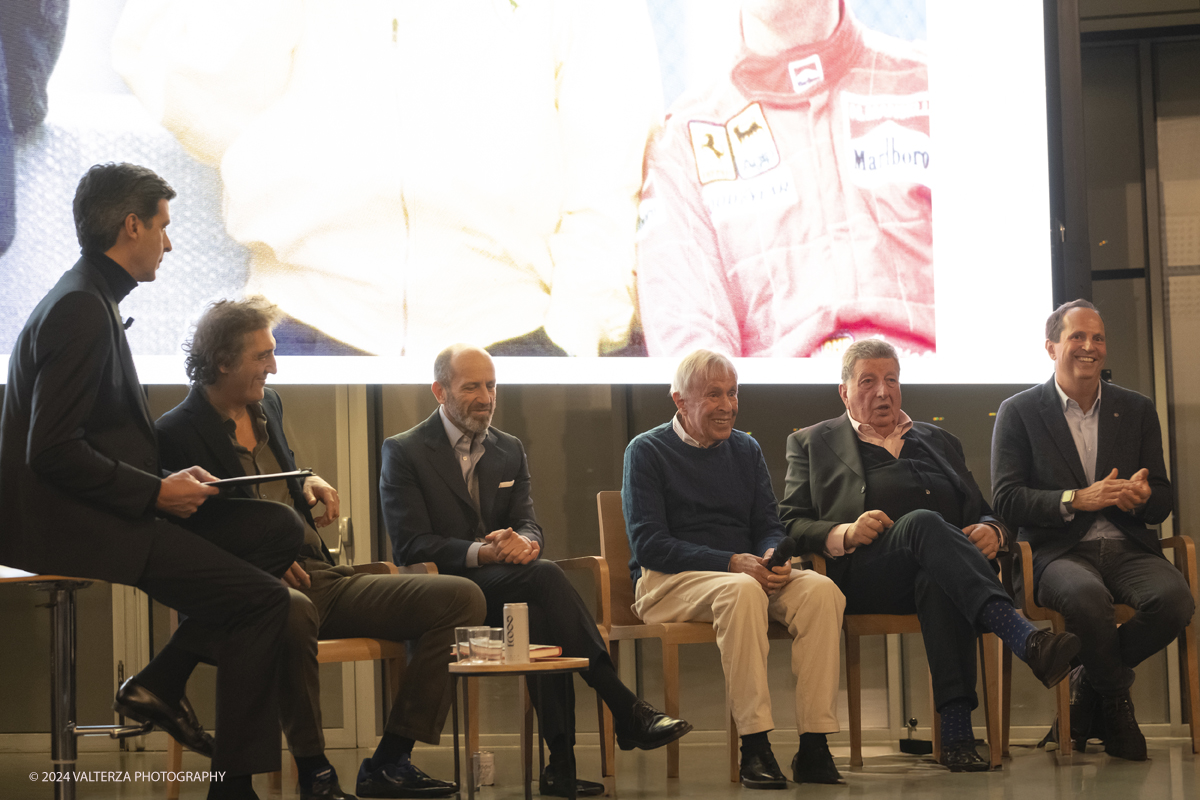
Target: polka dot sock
1002	619
956	722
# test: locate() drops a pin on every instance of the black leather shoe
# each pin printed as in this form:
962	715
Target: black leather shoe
555	781
815	765
963	757
760	771
325	787
650	728
399	780
137	702
1049	655
1122	736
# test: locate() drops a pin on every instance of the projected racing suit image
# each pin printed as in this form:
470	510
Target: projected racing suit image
786	210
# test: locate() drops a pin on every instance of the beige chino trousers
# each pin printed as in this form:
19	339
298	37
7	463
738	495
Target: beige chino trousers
809	605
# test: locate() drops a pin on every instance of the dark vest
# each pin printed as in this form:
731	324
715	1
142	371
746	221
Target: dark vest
911	482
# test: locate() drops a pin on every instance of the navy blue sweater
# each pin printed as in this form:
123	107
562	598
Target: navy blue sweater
689	508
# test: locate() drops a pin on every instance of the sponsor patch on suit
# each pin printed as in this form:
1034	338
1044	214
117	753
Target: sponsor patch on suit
754	150
714	159
888	138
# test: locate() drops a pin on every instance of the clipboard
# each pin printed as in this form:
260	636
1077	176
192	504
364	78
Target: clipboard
252	479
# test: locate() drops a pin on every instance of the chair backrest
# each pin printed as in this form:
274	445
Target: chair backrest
614	549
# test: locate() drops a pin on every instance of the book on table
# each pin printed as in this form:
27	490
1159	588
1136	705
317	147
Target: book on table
536	651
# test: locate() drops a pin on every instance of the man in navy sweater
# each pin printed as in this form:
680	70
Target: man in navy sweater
702	525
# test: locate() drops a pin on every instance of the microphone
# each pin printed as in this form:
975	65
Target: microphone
128	323
783	553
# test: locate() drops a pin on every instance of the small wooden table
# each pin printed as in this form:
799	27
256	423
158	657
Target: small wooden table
534	669
63	729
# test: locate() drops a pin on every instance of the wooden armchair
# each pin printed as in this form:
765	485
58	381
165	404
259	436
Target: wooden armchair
856	626
1189	673
332	651
623	625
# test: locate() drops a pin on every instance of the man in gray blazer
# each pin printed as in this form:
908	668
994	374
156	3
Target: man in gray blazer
1077	464
455	491
892	506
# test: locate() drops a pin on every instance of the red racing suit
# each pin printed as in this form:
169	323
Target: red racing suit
787	209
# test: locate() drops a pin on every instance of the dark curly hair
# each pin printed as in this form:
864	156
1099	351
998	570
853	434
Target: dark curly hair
107	194
220	335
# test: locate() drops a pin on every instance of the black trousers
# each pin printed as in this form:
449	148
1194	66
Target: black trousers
236	611
557	616
1083	585
925	565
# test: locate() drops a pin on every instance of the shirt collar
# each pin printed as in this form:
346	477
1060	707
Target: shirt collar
257	416
677	426
120	282
903	426
1067	401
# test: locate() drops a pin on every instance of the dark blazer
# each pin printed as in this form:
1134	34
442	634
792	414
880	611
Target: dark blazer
426	506
1034	460
79	470
826	481
194	433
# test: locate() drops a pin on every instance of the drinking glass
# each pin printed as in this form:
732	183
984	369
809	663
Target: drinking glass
462	644
495	651
481	637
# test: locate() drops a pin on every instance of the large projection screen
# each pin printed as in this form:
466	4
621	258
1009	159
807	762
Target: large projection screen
614	181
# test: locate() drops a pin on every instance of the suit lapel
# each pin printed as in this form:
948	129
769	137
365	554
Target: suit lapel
211	430
843	441
277	443
1112	415
442	457
488	472
1060	434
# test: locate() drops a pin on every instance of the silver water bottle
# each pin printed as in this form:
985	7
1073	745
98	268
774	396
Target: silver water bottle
516	633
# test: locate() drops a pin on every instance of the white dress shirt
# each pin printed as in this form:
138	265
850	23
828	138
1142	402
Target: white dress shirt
1085	430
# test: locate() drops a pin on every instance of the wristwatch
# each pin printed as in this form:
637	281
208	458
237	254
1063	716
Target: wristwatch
1068	497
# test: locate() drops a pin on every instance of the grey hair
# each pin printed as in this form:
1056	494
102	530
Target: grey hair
1054	323
697	366
866	350
443	365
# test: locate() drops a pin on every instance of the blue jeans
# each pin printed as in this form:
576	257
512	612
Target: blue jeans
1084	584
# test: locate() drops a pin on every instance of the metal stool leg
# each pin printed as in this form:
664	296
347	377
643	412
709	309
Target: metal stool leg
62	688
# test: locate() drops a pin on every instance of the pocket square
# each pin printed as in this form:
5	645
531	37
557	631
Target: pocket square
505	484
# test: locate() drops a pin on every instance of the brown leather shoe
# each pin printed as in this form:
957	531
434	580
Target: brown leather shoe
1049	655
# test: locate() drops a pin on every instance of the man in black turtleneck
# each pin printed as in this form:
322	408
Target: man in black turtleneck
84	495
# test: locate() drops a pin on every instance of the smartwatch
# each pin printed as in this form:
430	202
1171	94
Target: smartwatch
1068	497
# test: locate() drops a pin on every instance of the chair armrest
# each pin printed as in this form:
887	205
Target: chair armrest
387	568
1185	561
598	567
1027	601
816	560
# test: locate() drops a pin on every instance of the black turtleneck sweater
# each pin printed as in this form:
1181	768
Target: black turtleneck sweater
120	282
